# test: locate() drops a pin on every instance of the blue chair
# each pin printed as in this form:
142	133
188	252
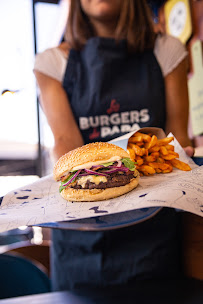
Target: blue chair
20	276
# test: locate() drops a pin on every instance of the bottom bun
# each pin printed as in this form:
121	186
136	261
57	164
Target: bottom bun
90	195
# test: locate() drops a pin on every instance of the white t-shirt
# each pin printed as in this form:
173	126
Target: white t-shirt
168	50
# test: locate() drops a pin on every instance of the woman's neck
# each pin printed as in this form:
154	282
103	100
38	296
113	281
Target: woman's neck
106	29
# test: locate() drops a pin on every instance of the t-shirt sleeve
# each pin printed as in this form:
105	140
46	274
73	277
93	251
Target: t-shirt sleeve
169	52
52	62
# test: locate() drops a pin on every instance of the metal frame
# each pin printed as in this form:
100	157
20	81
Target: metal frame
39	157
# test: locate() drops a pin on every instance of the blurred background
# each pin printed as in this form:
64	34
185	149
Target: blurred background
31	26
27	27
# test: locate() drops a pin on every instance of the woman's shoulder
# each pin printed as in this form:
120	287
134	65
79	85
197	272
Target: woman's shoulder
57	53
52	62
169	52
167	42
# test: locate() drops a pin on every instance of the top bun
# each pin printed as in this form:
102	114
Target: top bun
88	153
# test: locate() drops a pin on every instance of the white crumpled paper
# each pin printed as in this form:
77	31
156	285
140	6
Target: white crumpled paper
41	202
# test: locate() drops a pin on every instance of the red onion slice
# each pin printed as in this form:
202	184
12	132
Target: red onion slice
95	172
115	169
119	163
72	178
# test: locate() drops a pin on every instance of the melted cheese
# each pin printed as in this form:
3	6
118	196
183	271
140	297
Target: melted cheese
92	178
90	164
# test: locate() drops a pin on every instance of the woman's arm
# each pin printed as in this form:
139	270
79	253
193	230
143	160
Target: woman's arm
177	105
59	115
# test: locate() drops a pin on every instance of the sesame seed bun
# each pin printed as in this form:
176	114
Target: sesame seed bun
98	151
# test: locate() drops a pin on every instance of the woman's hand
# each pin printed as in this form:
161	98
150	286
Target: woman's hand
189	150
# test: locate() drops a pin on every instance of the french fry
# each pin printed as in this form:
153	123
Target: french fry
131	153
160	160
139	160
164	141
168	169
130	146
154	149
161	166
140	144
136	139
170	155
144	137
153	155
138	150
163	150
152	142
170	165
149	158
145	151
169	147
147	169
180	165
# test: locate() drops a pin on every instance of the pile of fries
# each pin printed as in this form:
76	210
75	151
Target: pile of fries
153	155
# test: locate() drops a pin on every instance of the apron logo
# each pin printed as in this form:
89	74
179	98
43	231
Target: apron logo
114	107
94	134
114	124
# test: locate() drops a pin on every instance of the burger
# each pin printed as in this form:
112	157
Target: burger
96	171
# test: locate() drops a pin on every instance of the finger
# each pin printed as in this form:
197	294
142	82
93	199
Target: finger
190	151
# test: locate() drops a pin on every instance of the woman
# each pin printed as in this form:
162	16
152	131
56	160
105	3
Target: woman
119	75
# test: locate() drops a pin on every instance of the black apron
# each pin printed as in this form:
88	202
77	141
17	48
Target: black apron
112	92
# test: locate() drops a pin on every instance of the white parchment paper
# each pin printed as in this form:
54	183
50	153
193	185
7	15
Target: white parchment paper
41	202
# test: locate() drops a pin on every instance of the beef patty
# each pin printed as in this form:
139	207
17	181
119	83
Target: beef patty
113	180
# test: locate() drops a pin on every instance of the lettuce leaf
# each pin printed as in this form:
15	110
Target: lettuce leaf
65	181
128	163
108	164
